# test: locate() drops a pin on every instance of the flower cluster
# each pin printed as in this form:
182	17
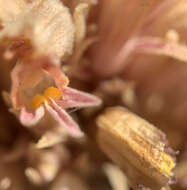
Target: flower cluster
57	56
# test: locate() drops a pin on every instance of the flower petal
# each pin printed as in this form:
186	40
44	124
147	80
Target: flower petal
28	119
159	46
21	77
63	118
16	76
151	45
51	64
75	98
80	14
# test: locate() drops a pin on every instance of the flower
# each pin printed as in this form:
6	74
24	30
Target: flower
153	28
54	101
39	36
44	47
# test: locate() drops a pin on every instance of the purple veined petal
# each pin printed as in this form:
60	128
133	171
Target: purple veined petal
75	98
63	118
29	119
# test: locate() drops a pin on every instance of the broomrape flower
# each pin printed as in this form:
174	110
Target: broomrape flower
44	41
54	100
38	36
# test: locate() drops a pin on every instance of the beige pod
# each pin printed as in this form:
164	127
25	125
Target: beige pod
136	146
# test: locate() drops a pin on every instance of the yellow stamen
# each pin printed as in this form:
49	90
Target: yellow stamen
167	164
50	92
38	100
53	93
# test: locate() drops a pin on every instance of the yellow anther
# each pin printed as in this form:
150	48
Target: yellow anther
27	41
53	93
50	92
167	164
38	100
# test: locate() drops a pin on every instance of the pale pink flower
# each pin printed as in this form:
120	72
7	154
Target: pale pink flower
127	28
70	98
38	36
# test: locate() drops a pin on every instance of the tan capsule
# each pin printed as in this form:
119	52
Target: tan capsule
136	146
